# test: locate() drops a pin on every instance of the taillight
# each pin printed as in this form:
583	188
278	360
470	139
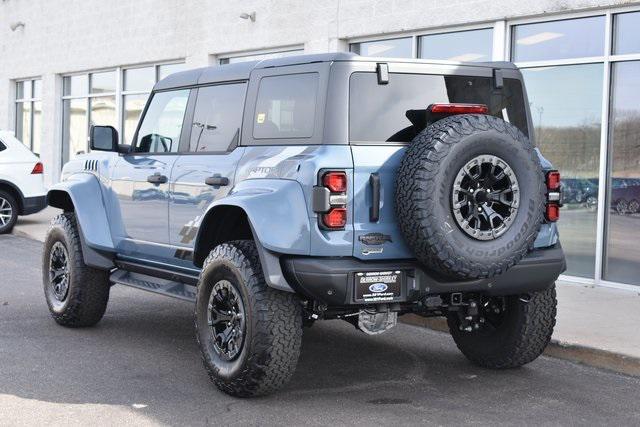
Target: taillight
553	212
37	169
336	182
459	108
553	180
335	218
554	202
330	200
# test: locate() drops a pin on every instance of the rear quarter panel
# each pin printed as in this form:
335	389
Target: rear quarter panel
302	164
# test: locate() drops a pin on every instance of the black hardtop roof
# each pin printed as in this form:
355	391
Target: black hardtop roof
242	70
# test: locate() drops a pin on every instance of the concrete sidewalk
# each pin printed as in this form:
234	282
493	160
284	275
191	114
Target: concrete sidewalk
35	226
595	325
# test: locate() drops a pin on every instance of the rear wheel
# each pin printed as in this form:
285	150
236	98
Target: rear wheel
514	330
8	212
622	206
249	334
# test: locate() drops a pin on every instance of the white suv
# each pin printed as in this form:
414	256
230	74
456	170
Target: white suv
22	190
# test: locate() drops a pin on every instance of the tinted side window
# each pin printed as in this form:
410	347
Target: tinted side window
397	112
162	123
286	106
218	117
2	146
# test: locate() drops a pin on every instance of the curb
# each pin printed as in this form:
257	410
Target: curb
594	357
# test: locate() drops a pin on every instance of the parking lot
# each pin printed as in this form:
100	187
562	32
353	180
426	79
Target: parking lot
141	366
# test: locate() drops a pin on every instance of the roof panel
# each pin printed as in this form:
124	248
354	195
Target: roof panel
242	70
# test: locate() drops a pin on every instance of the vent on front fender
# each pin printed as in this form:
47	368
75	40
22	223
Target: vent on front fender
91	165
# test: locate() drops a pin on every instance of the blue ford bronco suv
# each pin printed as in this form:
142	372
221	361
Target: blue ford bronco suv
285	191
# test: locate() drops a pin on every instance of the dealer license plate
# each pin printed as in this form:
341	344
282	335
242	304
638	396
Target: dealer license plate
378	286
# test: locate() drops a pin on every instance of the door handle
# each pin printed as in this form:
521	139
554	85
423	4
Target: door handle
374	210
157	179
217	181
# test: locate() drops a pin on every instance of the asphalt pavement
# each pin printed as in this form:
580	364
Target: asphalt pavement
141	366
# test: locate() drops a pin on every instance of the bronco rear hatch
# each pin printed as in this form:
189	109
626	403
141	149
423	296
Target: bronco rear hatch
386	111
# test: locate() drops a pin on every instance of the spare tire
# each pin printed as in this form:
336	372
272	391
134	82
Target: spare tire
470	196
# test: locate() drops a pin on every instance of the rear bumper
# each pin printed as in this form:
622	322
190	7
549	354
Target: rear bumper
31	205
331	280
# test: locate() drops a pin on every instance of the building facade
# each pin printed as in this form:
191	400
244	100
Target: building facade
72	63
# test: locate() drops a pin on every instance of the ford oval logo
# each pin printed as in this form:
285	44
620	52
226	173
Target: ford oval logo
378	287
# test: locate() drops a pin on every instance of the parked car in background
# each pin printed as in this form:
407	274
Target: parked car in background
22	190
580	191
625	195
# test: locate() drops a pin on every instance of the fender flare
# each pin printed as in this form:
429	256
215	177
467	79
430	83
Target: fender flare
276	210
82	194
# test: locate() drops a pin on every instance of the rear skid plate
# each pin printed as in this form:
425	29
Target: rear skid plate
155	285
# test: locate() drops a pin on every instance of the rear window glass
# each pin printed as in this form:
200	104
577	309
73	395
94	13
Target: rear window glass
286	106
379	113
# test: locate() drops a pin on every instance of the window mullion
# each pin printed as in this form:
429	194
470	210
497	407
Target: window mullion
31	116
119	102
604	157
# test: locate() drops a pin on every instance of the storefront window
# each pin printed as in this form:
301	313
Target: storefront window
260	56
391	48
75	127
137	86
103	82
165	70
565	104
622	252
133	106
626	35
463	46
91	99
28	124
569	38
139	79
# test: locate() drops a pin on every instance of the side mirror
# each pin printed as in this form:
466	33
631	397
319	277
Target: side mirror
103	138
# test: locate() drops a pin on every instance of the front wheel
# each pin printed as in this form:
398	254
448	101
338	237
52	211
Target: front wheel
76	294
515	329
249	334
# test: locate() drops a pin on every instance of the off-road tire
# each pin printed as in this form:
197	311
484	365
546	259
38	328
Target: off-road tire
88	291
4	229
520	339
273	325
424	183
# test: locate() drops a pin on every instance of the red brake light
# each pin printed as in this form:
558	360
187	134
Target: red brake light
553	212
38	169
553	180
459	108
335	218
336	182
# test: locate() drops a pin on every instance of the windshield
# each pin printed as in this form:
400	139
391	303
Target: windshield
380	113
